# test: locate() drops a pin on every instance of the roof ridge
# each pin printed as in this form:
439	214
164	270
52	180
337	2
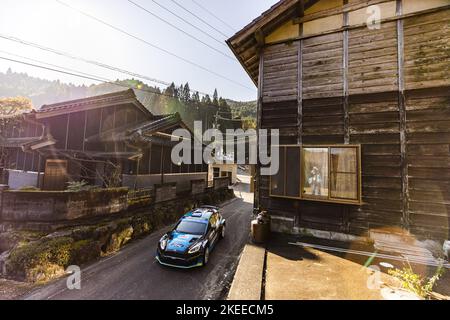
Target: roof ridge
123	93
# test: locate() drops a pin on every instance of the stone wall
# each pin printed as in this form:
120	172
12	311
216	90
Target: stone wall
198	186
30	206
165	192
182	180
45	256
46	210
221	183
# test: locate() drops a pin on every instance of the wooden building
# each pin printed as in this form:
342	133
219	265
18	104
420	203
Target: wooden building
363	110
108	140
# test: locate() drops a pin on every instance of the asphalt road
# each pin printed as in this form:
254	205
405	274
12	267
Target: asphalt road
133	273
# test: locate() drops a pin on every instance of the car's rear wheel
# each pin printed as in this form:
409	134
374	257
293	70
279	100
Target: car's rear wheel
222	232
206	256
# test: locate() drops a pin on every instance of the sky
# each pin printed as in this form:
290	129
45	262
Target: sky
54	25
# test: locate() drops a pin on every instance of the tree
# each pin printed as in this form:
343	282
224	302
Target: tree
170	90
14	106
10	108
196	98
215	98
186	93
206	100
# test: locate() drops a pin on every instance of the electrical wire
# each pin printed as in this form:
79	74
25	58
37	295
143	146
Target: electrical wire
200	18
191	24
215	16
93	62
153	45
181	30
83	75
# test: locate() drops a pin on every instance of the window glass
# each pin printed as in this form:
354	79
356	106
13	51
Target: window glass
293	172
315	172
190	227
278	179
344	173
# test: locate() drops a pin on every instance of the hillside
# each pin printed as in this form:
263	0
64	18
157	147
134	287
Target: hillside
159	101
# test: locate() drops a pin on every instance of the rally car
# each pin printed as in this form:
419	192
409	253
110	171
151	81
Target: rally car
191	241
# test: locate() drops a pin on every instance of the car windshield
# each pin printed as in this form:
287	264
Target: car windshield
191	227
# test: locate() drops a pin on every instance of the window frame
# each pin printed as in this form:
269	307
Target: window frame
327	198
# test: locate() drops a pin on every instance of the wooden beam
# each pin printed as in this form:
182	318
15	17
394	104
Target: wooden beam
84	130
258	126
402	115
339	10
363	25
67	131
260	38
300	88
345	65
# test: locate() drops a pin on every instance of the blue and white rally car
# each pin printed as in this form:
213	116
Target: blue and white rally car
192	239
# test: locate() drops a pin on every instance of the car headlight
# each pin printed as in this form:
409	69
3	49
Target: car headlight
195	248
163	243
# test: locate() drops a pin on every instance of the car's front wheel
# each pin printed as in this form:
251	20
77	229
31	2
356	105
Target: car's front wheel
206	256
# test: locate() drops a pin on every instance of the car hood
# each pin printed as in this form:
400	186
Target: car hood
180	242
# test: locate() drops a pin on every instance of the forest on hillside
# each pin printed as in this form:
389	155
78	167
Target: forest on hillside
212	110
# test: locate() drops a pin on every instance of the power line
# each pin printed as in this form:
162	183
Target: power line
154	46
199	18
52	65
189	23
82	75
182	31
215	16
93	62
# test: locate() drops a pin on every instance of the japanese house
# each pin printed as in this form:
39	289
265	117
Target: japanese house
108	140
363	109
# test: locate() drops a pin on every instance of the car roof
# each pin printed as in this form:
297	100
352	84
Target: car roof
200	214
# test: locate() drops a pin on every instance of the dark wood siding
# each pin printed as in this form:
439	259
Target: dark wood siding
322	66
428	149
280	76
373	59
427	54
358	90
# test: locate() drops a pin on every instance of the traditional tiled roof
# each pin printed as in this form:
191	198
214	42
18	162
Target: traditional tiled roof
101	101
79	154
164	122
25	142
137	131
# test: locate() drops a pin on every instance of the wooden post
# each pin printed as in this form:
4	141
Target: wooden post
138	163
67	132
402	114
345	64
162	165
300	88
84	130
39	172
258	126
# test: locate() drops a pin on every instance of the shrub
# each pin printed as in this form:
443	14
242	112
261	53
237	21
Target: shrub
77	186
421	286
30	261
84	251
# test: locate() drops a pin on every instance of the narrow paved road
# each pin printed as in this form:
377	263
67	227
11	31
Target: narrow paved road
133	273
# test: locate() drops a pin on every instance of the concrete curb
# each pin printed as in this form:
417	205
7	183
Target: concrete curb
247	282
